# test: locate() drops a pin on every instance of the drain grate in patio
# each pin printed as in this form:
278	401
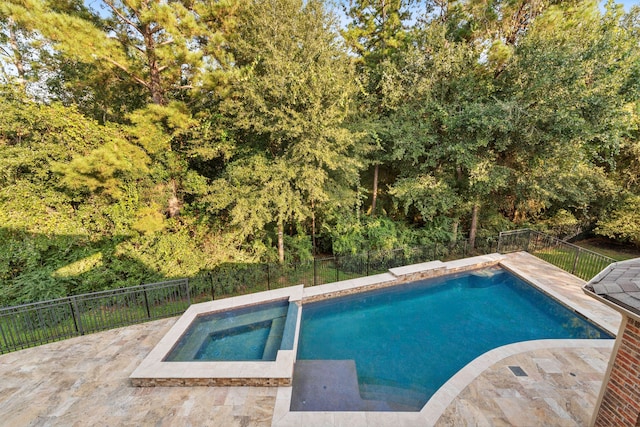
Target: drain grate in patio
518	371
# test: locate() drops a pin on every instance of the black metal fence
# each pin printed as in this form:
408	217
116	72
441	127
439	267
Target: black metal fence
237	279
47	321
29	325
572	258
38	323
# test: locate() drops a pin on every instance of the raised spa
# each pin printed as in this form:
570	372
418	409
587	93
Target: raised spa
248	333
245	340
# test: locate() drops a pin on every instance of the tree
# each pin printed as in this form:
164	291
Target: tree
448	120
571	109
623	223
537	136
290	98
377	34
164	47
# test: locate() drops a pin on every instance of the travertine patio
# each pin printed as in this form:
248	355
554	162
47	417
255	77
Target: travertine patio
84	380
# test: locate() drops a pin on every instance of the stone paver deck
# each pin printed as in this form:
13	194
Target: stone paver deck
560	389
84	381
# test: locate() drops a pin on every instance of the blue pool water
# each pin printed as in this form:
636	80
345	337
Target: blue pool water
247	333
408	341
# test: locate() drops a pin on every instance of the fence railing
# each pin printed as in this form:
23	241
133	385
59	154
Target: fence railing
236	279
42	322
47	321
578	261
38	323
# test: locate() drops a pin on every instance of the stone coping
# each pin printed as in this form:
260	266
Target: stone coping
346	287
445	395
154	371
565	288
398	276
417	268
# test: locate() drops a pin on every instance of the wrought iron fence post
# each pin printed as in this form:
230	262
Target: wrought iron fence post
337	264
77	317
315	271
213	291
4	338
575	261
188	291
73	315
146	302
535	242
499	243
268	278
368	252
526	247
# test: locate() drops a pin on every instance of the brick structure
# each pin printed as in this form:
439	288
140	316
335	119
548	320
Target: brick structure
619	403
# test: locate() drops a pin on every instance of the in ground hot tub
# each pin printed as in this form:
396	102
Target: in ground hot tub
245	340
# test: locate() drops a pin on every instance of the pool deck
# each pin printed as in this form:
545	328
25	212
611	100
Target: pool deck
85	380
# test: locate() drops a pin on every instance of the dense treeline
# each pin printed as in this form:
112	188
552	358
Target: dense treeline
149	139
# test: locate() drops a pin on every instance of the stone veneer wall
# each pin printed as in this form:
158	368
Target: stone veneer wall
620	404
210	382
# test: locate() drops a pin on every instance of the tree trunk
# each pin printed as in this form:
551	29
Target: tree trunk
18	60
474	225
281	242
155	80
173	208
375	190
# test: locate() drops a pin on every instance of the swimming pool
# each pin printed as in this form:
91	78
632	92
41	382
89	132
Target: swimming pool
407	341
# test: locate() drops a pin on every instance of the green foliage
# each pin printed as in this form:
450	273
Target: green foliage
351	236
149	220
298	249
623	222
563	224
293	96
170	137
105	169
425	193
383	234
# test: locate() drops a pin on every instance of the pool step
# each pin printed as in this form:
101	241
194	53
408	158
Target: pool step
274	340
330	385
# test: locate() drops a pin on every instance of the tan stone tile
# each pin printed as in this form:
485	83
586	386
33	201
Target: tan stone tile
236	396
